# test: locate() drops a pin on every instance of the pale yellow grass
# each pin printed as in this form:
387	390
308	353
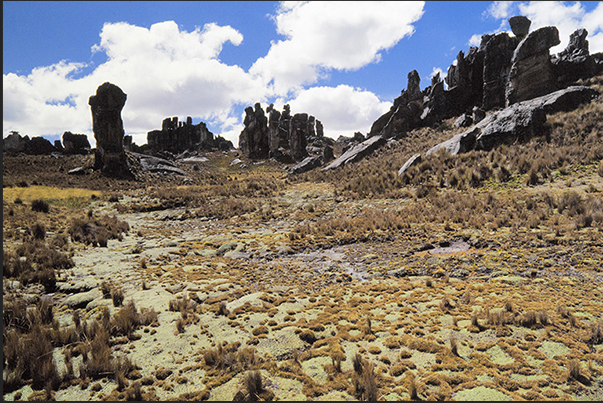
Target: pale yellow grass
27	194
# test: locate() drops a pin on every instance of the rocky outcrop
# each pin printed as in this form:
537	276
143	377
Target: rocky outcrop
281	136
358	152
298	132
405	112
177	137
107	125
14	144
253	140
575	61
516	122
155	164
498	52
531	74
75	143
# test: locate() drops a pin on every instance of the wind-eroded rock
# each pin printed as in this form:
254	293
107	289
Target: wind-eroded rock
108	129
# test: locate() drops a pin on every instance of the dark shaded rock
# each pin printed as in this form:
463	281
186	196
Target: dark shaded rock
107	125
414	160
435	108
519	121
75	143
253	140
327	154
478	114
40	146
58	146
358	152
305	165
463	121
277	135
498	52
404	113
320	132
520	25
14	143
177	137
531	74
574	62
298	132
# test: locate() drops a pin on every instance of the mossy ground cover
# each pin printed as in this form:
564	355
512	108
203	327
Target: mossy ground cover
242	282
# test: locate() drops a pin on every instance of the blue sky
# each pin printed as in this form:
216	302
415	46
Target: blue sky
342	62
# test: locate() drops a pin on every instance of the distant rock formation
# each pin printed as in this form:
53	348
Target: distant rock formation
281	136
14	143
107	125
75	143
253	140
177	137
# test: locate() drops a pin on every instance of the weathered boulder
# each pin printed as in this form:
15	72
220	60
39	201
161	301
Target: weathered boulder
155	164
107	125
414	160
358	152
305	165
524	119
520	25
498	51
75	143
458	144
531	74
253	140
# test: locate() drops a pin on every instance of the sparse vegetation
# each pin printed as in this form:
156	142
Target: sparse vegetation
436	282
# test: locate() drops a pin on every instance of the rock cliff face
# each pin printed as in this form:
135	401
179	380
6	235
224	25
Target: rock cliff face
108	128
284	137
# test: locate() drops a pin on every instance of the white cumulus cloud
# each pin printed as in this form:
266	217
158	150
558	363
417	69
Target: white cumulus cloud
321	36
166	71
342	110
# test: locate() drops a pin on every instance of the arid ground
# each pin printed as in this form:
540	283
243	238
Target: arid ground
470	277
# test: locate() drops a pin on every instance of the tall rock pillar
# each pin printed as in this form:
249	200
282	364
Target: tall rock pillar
108	128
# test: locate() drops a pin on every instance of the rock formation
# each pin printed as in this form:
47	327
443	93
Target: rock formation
107	125
531	74
281	136
357	152
75	143
14	144
253	140
516	122
177	137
